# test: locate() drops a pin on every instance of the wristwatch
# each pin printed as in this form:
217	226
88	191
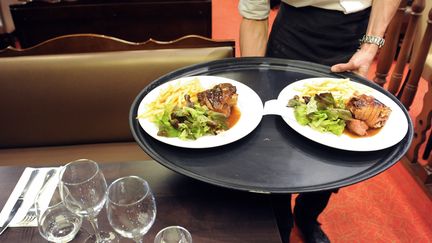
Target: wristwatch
372	40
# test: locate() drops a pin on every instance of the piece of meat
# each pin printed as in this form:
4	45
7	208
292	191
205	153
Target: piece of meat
357	127
369	110
220	98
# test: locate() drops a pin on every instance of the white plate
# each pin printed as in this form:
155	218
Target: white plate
393	131
249	104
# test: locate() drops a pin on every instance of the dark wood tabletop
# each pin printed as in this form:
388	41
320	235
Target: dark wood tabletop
210	213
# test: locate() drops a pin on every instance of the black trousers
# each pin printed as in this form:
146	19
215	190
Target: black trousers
322	36
308	206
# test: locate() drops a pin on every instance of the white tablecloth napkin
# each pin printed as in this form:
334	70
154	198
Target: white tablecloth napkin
30	195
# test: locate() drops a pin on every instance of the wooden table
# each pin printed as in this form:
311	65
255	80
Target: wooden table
210	213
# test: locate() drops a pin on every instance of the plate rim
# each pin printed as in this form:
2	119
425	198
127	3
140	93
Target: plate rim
293	124
202	142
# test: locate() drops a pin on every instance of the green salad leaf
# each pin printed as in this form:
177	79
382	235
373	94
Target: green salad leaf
190	122
321	112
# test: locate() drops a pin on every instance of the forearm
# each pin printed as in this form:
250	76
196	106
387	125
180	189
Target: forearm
253	37
381	15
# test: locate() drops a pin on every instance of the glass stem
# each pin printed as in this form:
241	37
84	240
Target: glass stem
94	224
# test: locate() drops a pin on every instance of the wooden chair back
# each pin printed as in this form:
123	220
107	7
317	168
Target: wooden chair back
421	66
85	43
415	56
405	51
417	65
418	62
388	52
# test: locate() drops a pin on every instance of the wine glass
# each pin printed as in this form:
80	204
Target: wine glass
83	190
55	222
173	234
131	207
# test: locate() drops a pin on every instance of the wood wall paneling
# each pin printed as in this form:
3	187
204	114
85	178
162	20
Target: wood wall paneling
130	20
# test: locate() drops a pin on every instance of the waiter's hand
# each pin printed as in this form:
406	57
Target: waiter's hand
359	62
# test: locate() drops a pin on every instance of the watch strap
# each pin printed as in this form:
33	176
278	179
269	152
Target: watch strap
370	39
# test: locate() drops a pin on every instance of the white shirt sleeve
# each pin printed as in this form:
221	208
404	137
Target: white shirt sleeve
352	6
254	9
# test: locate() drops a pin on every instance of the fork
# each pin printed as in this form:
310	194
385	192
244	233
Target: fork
31	213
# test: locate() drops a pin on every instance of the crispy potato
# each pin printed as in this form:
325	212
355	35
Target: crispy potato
340	88
173	96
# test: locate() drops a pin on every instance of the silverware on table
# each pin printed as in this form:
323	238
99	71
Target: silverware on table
31	213
19	202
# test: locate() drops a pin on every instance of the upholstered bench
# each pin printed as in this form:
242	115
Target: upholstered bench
60	107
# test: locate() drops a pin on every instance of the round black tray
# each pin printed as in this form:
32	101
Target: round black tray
273	158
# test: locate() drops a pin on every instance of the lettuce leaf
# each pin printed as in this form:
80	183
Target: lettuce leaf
322	113
190	122
300	113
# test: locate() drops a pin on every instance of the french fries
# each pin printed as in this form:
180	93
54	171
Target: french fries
173	96
340	88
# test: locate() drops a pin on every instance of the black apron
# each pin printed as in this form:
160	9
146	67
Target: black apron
317	35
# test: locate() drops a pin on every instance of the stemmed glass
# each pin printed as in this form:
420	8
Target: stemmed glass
131	207
83	190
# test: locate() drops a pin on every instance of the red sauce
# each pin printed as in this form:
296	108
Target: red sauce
234	116
370	132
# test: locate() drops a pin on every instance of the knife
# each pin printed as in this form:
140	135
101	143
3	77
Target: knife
48	177
19	202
